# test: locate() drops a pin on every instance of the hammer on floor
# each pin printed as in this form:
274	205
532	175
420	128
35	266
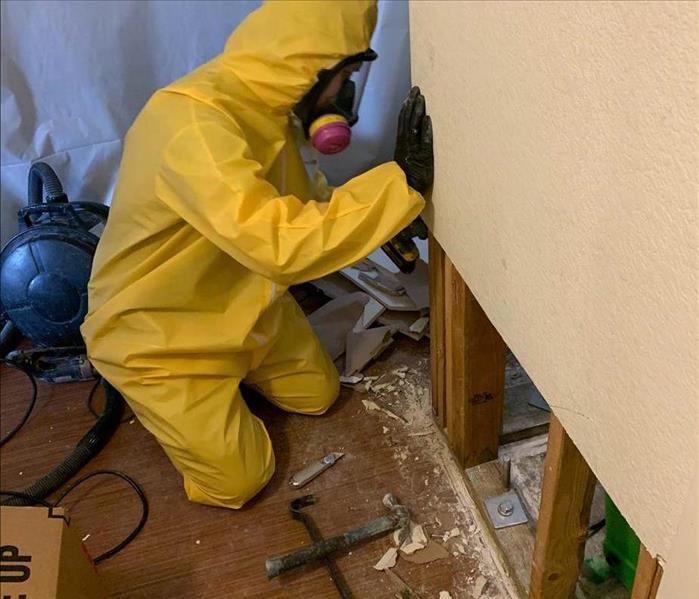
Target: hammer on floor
398	518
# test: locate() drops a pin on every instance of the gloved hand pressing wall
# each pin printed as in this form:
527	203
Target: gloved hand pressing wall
414	142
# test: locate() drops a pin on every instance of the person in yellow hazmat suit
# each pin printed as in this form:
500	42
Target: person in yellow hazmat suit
214	217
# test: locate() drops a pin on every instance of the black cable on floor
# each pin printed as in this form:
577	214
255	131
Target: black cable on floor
141	495
134	485
32	401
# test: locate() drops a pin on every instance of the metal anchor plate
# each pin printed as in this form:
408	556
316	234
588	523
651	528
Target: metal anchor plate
505	510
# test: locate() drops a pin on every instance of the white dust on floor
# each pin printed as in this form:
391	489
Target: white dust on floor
441	492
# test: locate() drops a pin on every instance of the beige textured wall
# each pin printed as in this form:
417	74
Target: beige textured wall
566	194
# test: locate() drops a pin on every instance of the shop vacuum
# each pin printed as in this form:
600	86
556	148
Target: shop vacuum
44	271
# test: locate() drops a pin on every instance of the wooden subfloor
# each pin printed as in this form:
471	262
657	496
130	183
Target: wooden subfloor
193	551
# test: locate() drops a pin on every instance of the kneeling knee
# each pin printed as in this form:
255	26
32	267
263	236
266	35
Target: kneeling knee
231	489
328	393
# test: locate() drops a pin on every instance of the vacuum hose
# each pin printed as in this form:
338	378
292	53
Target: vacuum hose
43	178
88	447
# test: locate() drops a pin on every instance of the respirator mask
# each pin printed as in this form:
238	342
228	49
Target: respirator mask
328	128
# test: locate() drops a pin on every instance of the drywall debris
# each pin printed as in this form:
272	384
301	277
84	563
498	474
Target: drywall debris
402	321
414	541
374	407
454	532
364	346
383	386
410	548
334	285
351	380
333	321
372	311
420	325
416	284
479	586
445	595
369	380
365	275
430	553
388	559
383	283
384	429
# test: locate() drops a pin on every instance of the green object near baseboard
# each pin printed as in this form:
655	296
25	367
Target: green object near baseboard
621	545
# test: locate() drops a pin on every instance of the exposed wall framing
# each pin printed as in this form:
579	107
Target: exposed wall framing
468	385
468	363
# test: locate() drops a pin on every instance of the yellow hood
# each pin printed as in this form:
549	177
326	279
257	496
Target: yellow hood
278	50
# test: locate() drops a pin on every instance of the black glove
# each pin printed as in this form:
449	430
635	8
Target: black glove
414	142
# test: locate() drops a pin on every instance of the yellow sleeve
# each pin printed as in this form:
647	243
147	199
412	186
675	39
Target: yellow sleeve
209	179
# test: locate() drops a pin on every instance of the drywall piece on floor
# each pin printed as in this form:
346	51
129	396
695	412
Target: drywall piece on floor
333	321
388	387
430	553
420	325
383	281
416	284
444	595
372	311
351	380
401	303
416	540
334	285
388	559
369	382
478	586
450	534
364	346
372	406
402	321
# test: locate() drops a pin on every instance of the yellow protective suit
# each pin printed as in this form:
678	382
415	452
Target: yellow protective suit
212	219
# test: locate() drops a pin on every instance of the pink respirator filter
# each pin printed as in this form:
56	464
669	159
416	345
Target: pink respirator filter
330	134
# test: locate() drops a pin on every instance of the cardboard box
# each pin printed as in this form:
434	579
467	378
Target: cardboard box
42	557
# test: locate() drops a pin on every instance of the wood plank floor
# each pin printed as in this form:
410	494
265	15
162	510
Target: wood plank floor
193	551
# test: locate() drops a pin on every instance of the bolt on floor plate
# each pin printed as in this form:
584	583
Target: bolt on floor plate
505	510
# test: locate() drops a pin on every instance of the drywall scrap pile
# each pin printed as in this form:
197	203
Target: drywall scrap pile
397	301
